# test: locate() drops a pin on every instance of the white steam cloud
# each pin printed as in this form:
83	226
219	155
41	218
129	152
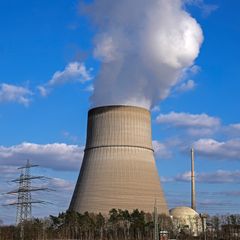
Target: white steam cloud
144	46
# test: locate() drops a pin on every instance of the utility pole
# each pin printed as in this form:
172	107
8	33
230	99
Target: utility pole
193	190
156	232
24	197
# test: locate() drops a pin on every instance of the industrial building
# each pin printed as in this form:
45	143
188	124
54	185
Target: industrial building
185	218
118	169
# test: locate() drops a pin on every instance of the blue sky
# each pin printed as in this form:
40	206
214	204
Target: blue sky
40	38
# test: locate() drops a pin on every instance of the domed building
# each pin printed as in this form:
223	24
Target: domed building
185	218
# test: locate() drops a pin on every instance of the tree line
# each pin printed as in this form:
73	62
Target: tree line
118	225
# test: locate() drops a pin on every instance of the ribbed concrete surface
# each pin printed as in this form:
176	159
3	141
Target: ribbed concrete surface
118	169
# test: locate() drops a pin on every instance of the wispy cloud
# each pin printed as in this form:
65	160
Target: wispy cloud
89	88
73	72
13	93
219	150
210	138
155	109
60	184
232	130
161	150
8	170
186	86
235	126
70	137
195	69
57	156
220	176
188	120
206	9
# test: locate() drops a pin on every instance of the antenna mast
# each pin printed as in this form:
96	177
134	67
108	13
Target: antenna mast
193	191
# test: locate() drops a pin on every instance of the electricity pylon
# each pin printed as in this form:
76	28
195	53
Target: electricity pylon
24	199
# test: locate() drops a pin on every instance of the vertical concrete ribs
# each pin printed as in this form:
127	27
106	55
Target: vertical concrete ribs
118	169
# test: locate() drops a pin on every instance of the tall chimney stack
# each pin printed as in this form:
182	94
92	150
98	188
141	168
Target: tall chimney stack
193	191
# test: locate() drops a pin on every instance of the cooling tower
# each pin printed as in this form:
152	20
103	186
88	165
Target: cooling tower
118	169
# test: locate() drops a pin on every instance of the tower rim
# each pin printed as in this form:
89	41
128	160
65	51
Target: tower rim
93	109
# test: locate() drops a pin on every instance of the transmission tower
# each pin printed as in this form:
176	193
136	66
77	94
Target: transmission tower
25	188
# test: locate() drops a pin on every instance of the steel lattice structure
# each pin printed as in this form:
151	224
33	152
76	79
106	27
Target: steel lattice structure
25	188
24	207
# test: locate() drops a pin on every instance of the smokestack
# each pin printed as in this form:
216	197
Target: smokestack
193	193
118	169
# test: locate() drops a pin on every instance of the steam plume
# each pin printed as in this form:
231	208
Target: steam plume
144	46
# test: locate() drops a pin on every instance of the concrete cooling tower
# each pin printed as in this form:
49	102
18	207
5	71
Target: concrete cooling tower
118	169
